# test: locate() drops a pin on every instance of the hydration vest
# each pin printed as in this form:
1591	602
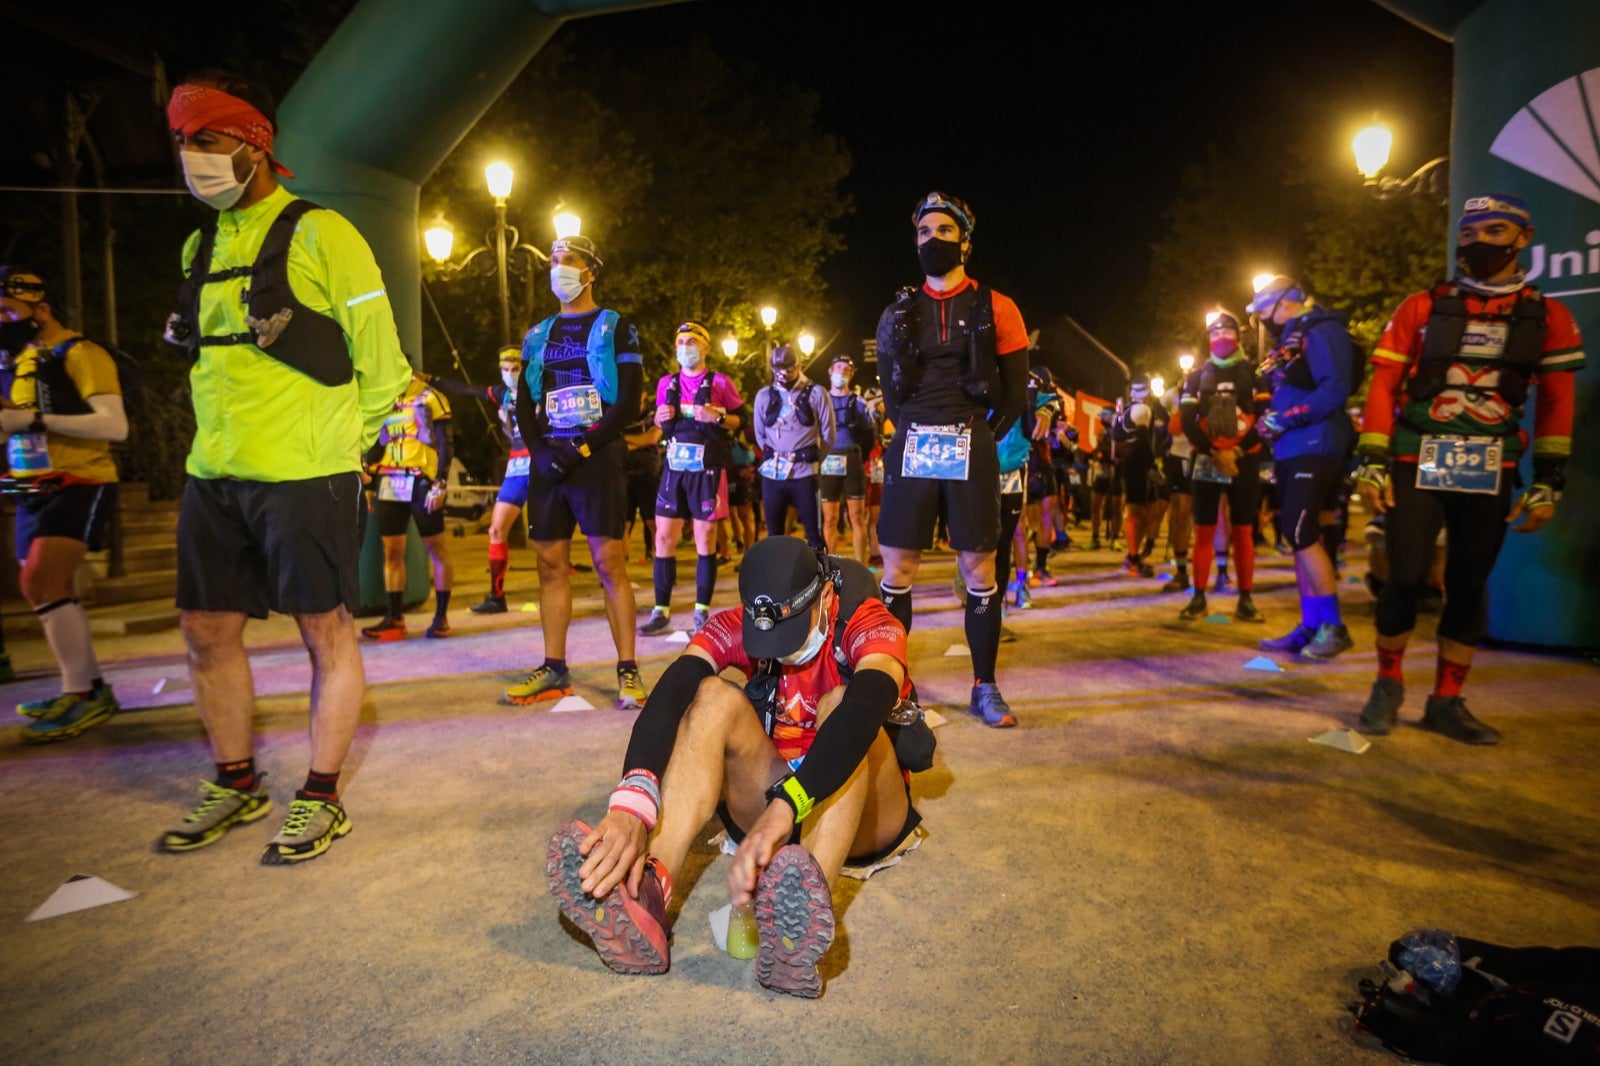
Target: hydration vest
909	350
601	350
1447	325
55	393
849	418
310	342
802	404
713	437
1220	398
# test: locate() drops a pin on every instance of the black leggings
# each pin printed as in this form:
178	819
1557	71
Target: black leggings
1010	516
800	493
1244	495
1475	526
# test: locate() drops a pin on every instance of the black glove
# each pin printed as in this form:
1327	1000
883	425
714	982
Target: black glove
556	461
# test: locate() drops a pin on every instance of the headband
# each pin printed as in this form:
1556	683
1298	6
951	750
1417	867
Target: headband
199	107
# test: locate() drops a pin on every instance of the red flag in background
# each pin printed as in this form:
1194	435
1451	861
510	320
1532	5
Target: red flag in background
1088	421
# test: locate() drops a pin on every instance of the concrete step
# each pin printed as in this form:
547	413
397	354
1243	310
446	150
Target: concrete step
120	620
137	522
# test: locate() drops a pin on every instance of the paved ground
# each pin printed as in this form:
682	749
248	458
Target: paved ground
1156	867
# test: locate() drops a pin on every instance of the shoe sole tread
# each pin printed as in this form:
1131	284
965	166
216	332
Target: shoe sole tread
795	922
609	924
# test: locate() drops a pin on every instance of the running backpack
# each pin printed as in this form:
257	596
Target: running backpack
58	393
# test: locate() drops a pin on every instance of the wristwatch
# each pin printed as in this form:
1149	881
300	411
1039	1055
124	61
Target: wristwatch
789	791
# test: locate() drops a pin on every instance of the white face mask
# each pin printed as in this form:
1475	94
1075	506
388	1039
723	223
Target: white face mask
210	178
814	642
689	357
839	380
508	374
567	283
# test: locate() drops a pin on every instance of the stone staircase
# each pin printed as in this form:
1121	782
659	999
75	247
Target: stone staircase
139	599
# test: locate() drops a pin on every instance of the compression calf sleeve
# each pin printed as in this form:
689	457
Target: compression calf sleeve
499	563
983	631
1244	547
705	579
666	574
66	628
899	603
1204	549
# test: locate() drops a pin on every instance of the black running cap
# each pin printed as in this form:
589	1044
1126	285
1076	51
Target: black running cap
779	580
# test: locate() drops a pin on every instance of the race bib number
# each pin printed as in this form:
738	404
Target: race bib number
942	453
28	454
1011	483
1073	477
835	465
1459	464
778	468
517	467
1206	470
686	457
875	471
575	407
396	487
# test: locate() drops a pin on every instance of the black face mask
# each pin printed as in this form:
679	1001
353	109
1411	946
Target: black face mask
16	336
1274	329
1483	260
938	257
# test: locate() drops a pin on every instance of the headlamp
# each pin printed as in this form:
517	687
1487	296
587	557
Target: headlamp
765	612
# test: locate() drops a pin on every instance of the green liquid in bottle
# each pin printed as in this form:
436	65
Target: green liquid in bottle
743	940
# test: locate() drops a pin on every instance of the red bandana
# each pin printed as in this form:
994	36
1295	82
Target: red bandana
197	107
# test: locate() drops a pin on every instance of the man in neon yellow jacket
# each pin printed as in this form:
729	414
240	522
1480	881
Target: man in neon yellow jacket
296	364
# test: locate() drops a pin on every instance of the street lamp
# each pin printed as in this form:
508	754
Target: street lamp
510	255
1186	362
807	343
1158	386
1371	147
730	346
1257	283
769	316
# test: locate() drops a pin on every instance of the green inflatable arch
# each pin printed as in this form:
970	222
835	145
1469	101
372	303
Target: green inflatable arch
392	92
1527	121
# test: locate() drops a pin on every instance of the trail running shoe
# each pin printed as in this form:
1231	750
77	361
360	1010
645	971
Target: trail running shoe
491	604
311	828
1044	579
658	623
438	629
794	917
1195	609
70	714
1022	599
987	704
630	935
39	708
385	630
701	617
1245	609
1178	583
545	683
221	810
630	689
1448	715
1292	641
1382	709
1331	639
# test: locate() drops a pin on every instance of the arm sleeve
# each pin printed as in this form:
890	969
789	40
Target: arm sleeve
1327	355
758	425
656	729
527	415
108	421
845	735
1400	344
1556	377
349	278
1013	392
1189	418
630	385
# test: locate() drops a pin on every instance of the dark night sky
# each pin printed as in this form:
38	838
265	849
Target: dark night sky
1064	126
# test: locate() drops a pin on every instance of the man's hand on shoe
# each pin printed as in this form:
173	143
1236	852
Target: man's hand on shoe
613	851
771	832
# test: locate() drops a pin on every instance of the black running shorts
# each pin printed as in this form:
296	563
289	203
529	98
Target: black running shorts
688	494
257	546
911	505
851	485
1306	486
77	512
395	515
592	499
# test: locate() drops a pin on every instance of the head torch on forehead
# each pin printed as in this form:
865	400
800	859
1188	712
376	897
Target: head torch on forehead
765	612
22	287
938	201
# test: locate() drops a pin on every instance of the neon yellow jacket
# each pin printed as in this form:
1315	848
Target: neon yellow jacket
255	418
